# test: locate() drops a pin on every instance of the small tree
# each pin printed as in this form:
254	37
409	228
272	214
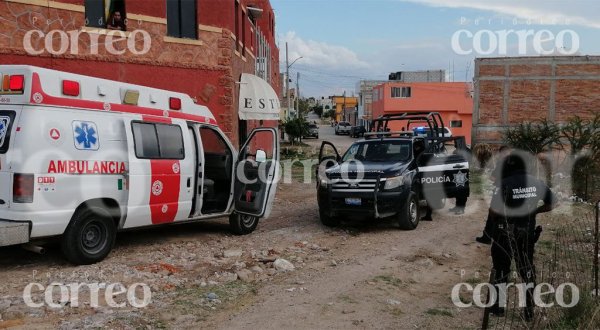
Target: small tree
483	153
579	133
534	137
296	128
318	110
584	157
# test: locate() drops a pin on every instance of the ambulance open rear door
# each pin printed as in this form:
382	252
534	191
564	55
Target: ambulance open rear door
256	173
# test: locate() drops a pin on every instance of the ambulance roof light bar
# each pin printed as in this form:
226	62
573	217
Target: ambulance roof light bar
17	83
71	88
131	97
12	84
174	103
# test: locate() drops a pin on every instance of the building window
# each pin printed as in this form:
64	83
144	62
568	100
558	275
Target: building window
106	14
272	23
244	21
237	25
456	123
263	56
181	19
401	92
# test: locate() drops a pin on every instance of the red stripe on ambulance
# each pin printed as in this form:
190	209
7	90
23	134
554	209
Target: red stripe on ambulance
166	182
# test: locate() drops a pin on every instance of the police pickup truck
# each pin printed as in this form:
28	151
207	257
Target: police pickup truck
392	173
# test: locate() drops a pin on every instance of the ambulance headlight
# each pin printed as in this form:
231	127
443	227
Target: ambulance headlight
394	182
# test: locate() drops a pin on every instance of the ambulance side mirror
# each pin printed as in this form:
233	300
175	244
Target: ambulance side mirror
261	156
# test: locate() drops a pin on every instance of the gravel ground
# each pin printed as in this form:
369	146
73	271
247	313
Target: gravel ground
365	274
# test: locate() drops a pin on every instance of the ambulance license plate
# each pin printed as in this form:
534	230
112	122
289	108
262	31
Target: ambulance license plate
354	201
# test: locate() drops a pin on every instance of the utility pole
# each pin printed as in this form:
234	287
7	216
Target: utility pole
344	107
287	79
298	93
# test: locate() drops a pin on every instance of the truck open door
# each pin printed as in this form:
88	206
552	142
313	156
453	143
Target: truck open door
328	157
256	175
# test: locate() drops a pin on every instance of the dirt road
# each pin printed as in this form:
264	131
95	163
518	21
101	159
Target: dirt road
361	275
365	274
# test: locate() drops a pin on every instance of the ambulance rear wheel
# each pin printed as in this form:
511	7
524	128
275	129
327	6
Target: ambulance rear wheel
90	236
242	224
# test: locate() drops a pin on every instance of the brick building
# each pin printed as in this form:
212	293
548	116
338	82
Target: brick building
198	47
509	91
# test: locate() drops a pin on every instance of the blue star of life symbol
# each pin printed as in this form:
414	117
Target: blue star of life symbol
86	135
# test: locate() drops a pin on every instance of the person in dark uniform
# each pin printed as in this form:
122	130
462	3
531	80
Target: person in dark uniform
486	236
514	207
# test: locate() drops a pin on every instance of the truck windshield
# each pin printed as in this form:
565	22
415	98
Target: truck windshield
379	151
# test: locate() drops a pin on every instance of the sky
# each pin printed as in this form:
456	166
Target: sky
344	41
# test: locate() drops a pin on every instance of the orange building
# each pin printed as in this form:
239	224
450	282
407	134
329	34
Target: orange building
345	108
453	100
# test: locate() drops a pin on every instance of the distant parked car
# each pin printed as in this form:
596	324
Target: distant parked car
313	131
343	127
357	131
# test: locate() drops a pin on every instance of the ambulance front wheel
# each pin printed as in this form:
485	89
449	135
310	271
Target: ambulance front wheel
242	224
90	236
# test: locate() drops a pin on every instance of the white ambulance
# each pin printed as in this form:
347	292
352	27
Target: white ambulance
82	158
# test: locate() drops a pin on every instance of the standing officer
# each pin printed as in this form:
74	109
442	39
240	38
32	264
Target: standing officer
497	174
513	210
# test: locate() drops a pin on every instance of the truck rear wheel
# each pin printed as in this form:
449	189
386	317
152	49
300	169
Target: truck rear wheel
328	220
90	236
408	217
242	224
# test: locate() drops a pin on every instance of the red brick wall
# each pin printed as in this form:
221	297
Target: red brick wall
206	69
509	91
528	100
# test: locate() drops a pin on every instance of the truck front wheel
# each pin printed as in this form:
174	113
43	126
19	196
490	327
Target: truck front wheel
328	220
408	217
90	236
242	224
